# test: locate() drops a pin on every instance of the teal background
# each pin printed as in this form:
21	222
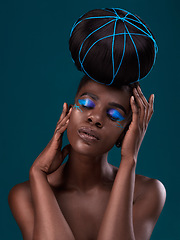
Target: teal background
37	76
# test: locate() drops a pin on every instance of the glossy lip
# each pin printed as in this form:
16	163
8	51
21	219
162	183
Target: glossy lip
84	131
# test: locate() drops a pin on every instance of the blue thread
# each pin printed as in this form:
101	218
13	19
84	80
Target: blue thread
135	50
86	39
88	19
123	19
77	107
121	57
113	47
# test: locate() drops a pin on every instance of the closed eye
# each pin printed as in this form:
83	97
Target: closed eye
112	113
87	103
115	115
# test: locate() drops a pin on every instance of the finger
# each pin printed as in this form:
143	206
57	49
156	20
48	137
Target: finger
142	96
146	103
151	108
62	126
141	106
135	112
63	120
58	134
63	114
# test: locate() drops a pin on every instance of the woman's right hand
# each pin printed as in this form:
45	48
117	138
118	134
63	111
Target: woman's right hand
51	157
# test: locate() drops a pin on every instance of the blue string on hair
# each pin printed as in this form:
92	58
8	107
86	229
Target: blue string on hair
126	19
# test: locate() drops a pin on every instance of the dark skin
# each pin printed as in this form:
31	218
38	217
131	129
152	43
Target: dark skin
88	198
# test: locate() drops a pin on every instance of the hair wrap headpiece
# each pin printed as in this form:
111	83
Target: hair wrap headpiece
128	18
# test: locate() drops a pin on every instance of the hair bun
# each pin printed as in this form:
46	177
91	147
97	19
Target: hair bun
112	46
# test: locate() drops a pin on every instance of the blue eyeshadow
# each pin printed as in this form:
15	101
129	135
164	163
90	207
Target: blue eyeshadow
115	114
86	103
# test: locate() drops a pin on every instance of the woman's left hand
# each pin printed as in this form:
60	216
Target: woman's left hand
141	114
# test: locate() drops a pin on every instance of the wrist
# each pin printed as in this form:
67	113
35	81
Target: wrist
34	170
129	160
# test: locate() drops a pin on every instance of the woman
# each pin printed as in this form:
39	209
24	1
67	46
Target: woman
88	198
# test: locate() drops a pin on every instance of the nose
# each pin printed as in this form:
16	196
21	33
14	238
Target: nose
96	118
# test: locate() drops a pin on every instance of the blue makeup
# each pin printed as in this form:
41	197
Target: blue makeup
77	107
86	103
112	113
115	115
119	125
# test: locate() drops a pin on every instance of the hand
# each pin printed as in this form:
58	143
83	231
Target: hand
51	157
141	114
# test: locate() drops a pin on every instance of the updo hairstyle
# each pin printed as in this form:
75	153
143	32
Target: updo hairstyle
112	46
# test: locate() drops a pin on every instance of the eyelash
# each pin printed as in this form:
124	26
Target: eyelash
84	103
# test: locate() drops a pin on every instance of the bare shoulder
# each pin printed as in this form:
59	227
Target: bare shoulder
20	188
149	202
149	186
20	203
20	192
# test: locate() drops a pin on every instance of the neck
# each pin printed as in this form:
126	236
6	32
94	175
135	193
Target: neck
84	172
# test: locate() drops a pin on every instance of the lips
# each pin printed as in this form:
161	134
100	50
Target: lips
88	133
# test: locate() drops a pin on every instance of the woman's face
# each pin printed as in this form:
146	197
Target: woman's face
98	118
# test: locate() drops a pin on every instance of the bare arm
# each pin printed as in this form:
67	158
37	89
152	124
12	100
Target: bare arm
49	222
21	206
117	223
44	219
122	221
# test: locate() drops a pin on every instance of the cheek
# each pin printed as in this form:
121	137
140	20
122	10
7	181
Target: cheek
74	123
111	136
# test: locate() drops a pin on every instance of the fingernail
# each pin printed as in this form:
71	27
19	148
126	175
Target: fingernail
132	98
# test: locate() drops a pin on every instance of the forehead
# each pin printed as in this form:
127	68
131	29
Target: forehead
107	94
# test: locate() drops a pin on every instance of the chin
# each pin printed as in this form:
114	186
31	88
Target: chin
88	149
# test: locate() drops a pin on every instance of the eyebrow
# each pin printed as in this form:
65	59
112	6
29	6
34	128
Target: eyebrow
110	103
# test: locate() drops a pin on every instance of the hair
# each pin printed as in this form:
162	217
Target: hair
129	87
98	33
